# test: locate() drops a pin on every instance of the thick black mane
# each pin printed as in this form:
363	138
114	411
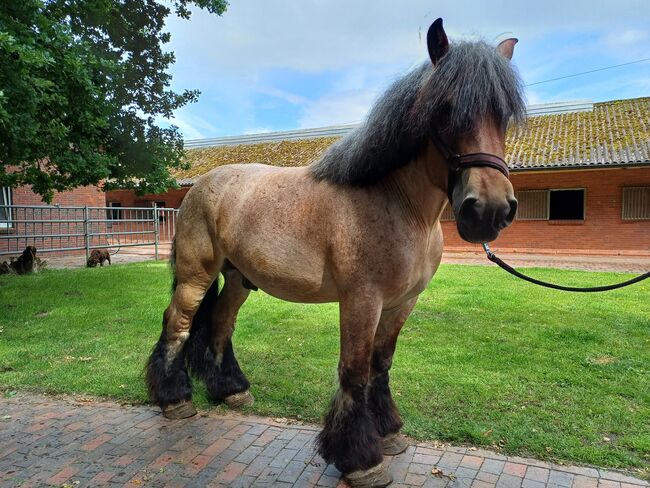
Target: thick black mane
472	80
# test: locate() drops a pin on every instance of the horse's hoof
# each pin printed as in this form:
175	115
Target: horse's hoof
180	410
394	444
373	477
239	400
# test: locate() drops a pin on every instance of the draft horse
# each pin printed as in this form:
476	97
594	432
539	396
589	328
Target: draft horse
360	226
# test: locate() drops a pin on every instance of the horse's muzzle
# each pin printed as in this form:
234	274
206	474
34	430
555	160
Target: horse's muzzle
480	222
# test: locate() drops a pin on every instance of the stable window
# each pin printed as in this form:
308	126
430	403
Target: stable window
115	213
161	215
566	204
447	213
5	211
532	205
562	204
636	203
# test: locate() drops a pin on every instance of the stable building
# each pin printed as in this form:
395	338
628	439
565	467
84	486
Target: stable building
580	170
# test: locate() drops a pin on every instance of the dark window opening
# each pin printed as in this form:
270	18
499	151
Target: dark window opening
115	213
5	212
567	205
161	215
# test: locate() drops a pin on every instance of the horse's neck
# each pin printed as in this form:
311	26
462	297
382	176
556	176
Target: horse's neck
420	188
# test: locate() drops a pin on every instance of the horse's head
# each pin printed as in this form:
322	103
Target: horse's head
476	92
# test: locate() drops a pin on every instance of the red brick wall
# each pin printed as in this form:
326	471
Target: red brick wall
87	195
603	229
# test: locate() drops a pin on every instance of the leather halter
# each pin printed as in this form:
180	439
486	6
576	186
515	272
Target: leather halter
459	162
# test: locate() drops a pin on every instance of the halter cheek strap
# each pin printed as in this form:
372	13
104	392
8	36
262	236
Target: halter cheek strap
459	162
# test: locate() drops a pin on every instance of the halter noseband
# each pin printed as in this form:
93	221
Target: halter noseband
459	162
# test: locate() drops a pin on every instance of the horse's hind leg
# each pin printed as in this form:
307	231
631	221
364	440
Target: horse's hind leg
168	382
380	401
210	354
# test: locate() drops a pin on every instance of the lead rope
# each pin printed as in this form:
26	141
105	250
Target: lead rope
498	261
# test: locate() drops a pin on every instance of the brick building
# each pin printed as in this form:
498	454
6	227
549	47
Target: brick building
581	173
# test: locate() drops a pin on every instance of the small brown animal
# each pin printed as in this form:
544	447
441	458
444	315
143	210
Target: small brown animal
98	256
25	263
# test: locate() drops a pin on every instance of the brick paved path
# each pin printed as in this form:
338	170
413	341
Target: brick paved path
57	442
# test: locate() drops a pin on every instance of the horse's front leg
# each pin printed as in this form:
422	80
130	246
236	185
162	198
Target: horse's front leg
350	439
380	401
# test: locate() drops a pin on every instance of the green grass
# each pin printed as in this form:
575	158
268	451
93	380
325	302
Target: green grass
484	359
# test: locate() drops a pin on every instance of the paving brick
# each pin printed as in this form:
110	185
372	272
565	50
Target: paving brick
527	483
482	484
123	460
415	479
217	447
473	462
282	458
487	477
258	465
560	478
417	468
62	476
608	484
584	482
515	469
509	481
534	473
493	466
292	472
197	464
426	459
462	472
96	442
231	472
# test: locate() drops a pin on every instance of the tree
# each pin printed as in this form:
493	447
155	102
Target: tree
82	83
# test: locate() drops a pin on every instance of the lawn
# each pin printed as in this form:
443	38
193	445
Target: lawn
484	359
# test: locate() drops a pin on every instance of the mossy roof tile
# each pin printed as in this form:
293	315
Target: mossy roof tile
613	133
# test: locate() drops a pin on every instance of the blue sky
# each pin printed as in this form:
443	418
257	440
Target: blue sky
286	64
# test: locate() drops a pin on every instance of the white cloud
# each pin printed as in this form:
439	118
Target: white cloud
191	126
282	95
257	130
337	108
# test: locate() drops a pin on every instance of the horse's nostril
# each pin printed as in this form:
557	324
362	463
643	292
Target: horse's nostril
471	210
513	211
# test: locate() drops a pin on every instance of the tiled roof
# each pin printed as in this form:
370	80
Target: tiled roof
613	133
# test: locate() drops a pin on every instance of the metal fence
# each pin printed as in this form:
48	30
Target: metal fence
65	229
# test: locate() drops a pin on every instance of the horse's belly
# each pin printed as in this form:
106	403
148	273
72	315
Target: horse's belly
288	273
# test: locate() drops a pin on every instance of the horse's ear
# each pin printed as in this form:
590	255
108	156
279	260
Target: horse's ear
507	47
437	42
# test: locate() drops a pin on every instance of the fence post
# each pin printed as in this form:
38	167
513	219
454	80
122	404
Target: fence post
86	233
156	229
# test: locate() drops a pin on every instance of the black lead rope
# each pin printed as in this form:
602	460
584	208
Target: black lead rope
493	257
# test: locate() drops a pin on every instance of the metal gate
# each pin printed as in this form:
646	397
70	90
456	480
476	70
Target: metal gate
65	229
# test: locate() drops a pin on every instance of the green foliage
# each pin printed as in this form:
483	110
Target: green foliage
484	358
82	83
